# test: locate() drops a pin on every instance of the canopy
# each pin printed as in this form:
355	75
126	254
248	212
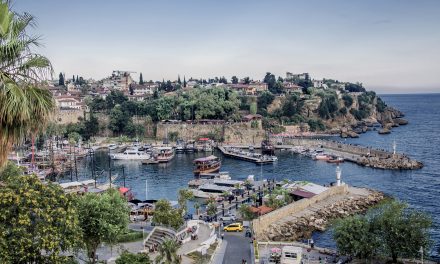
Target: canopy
203	139
212	157
123	190
303	194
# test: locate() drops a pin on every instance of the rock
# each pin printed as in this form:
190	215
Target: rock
400	121
384	131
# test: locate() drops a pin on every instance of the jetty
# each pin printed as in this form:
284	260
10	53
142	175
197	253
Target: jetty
361	155
237	153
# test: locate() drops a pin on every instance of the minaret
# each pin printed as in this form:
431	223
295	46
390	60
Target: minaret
338	176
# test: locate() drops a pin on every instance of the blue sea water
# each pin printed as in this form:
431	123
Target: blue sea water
419	139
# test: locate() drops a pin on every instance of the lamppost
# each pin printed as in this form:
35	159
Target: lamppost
421	252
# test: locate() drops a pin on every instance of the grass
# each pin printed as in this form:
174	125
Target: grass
202	259
130	236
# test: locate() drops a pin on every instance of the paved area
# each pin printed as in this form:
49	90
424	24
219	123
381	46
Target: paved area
236	248
203	234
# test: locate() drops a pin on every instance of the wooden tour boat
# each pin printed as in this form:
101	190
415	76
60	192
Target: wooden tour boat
207	165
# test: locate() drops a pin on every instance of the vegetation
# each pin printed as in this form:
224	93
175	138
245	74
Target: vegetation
391	230
38	222
316	125
184	196
355	87
129	236
168	253
328	106
166	215
102	218
25	108
133	258
348	100
246	213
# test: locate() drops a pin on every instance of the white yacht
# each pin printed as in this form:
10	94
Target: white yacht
131	154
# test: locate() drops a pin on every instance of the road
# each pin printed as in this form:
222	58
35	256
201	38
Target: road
238	248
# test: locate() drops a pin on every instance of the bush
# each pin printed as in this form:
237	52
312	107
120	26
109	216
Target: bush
316	125
130	236
343	111
132	258
380	105
348	100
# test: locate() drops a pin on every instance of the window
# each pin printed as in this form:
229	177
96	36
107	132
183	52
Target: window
290	255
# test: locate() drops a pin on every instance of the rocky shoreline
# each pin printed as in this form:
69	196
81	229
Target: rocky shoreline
304	226
402	163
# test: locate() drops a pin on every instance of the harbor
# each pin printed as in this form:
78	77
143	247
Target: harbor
237	153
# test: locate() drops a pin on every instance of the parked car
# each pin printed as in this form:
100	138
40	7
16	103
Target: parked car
228	217
235	227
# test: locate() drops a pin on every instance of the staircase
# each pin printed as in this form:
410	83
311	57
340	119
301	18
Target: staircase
158	235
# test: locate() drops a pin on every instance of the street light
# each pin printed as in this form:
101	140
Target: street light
421	252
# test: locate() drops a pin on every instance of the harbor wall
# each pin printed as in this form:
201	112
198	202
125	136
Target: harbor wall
240	132
261	225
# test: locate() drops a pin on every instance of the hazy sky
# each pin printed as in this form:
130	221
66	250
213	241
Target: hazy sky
389	45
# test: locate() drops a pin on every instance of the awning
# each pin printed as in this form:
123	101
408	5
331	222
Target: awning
123	190
303	194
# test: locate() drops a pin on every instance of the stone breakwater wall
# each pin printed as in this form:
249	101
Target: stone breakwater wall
262	224
303	226
365	156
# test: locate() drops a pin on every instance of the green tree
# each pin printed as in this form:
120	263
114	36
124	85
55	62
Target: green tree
141	80
24	106
234	79
253	108
74	137
102	218
211	207
355	236
168	253
246	213
115	98
133	258
246	80
178	79
348	100
61	79
38	221
91	126
184	81
271	81
118	120
184	196
165	214
402	230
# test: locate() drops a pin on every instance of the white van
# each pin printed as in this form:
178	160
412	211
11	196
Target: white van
291	255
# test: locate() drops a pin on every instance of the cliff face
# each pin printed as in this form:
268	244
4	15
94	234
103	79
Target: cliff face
348	114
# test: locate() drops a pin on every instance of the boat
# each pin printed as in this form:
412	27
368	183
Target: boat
207	148
149	161
190	146
335	160
164	154
322	157
131	154
209	190
180	146
267	147
112	146
207	165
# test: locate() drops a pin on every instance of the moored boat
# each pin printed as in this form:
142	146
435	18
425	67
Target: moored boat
207	165
164	154
131	154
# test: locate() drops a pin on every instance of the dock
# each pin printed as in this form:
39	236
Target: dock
247	156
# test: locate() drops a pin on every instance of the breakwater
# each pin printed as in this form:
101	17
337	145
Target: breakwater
365	156
300	219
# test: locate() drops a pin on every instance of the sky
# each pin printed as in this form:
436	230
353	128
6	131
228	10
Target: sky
391	46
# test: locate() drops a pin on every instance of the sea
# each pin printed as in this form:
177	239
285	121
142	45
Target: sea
420	139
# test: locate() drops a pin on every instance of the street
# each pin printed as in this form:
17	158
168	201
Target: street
238	248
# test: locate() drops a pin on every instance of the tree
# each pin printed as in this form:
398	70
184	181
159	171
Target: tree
168	253
402	231
102	218
391	229
178	79
25	107
38	221
211	207
196	206
246	80
141	80
184	196
353	236
184	81
348	100
91	126
253	108
118	120
234	79
292	105
165	214
270	80
246	213
132	258
61	79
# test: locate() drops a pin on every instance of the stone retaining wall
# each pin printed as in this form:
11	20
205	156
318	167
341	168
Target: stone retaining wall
262	224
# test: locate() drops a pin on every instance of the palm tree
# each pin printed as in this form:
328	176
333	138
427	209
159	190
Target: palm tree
25	108
184	196
197	207
168	253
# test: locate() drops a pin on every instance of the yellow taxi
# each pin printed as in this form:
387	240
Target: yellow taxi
235	227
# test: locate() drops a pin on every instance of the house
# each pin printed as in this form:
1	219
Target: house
119	80
144	89
300	76
252	88
319	84
290	87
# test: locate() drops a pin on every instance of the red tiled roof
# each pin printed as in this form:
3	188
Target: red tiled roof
261	210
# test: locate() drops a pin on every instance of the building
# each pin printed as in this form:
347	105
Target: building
290	87
144	89
119	80
252	88
301	76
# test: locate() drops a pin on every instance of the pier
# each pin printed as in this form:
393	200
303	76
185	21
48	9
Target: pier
255	158
361	155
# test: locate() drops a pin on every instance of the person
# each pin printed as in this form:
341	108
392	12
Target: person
223	236
312	243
